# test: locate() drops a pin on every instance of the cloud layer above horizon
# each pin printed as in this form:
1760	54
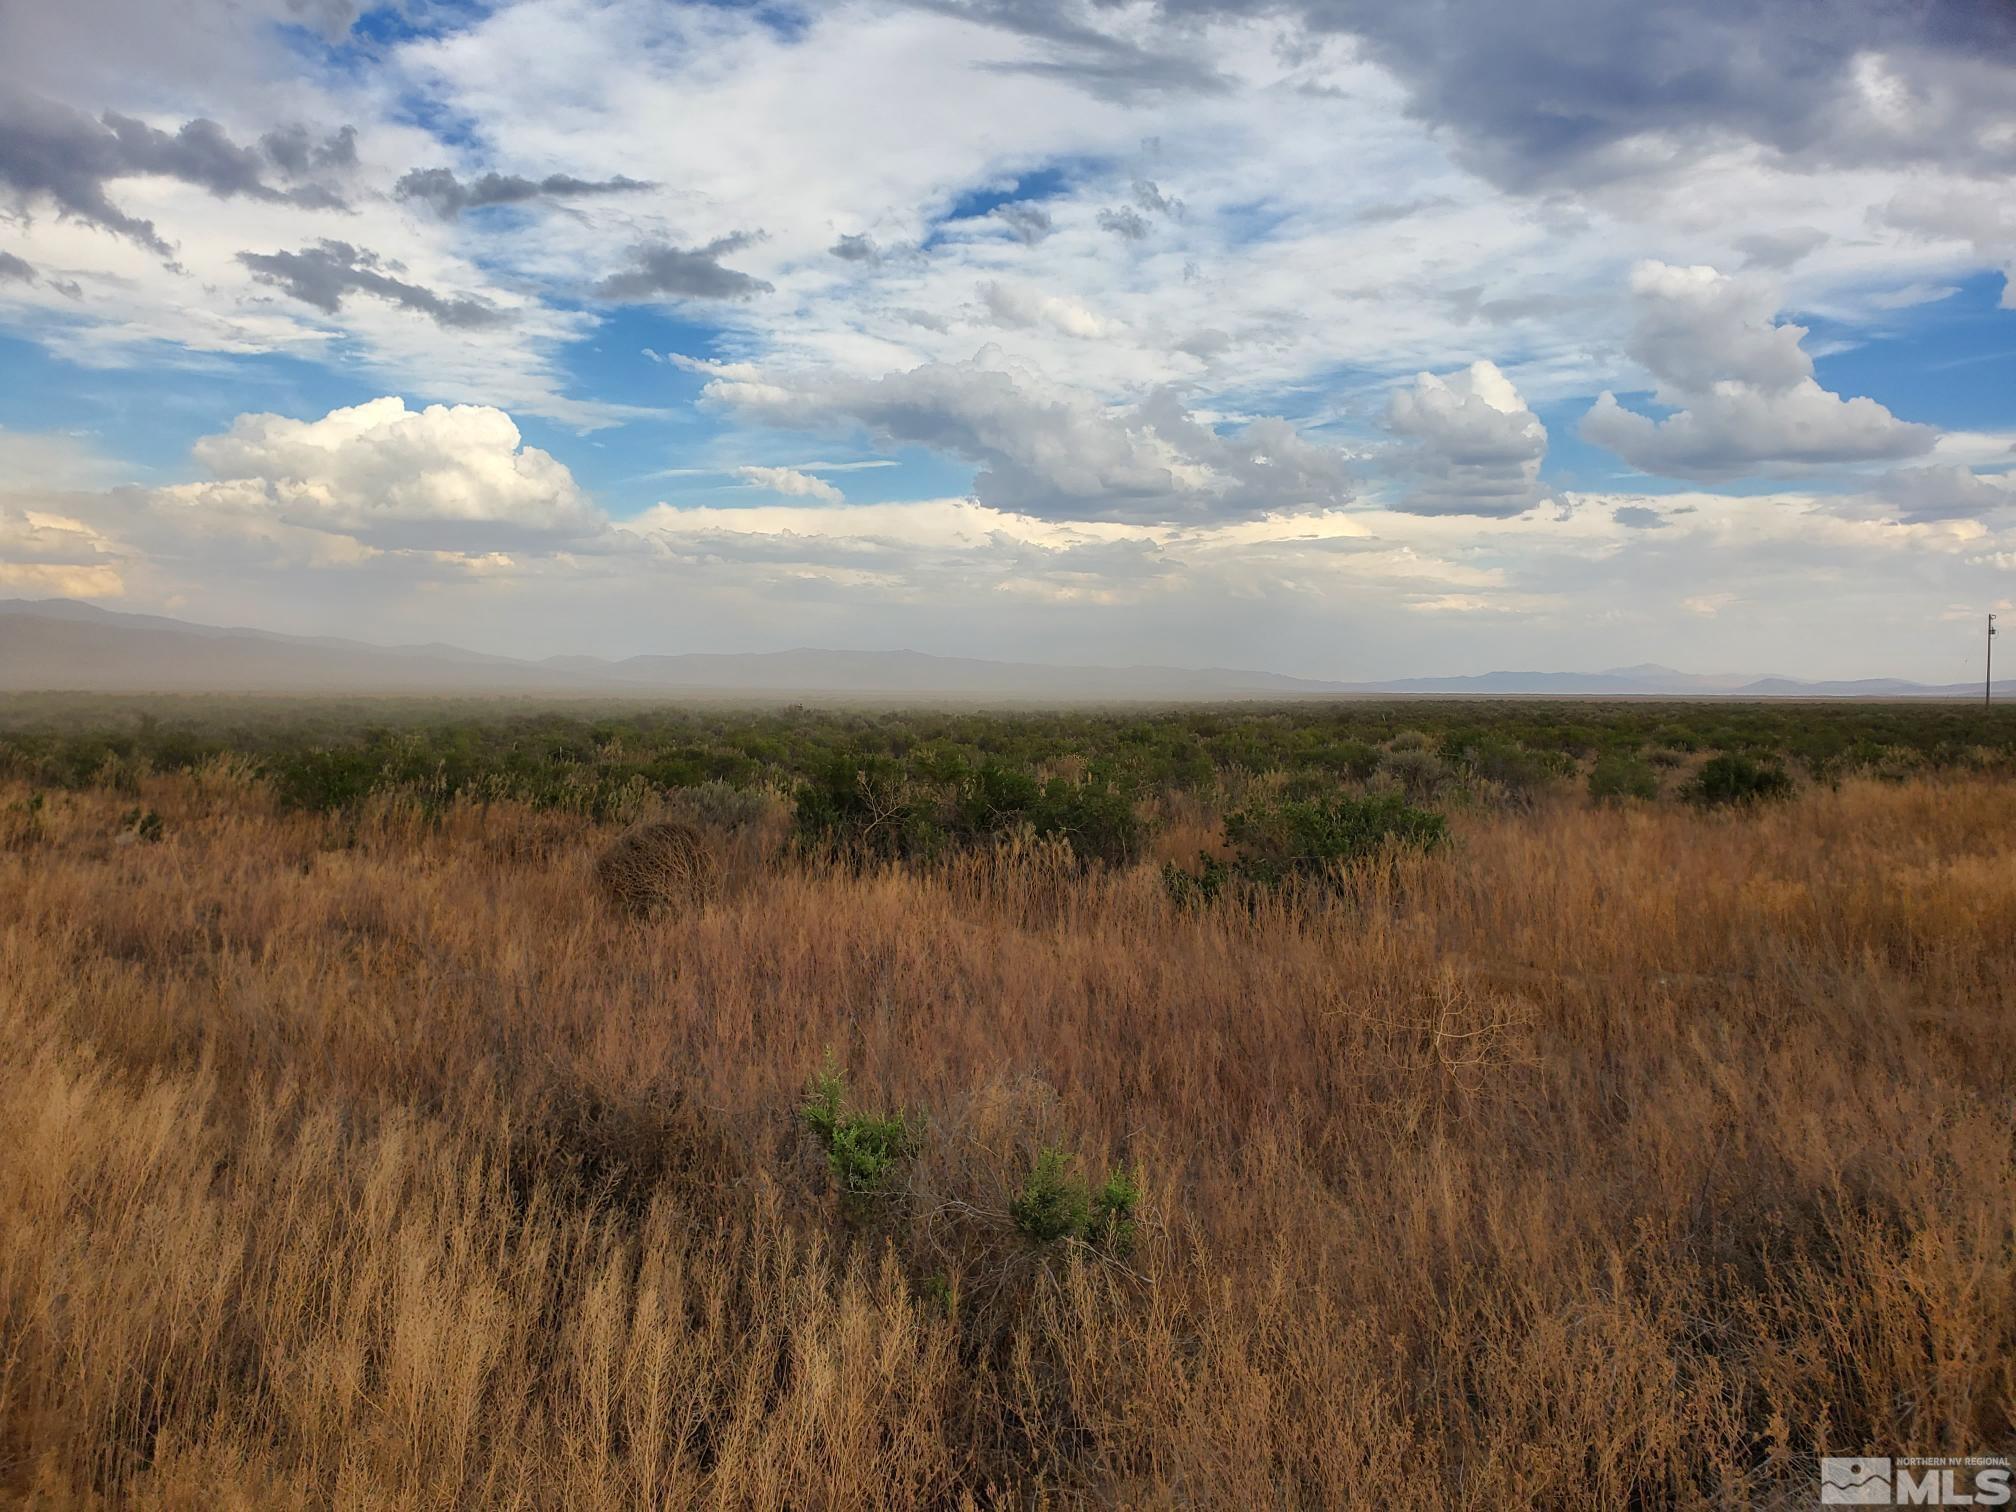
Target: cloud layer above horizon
1307	336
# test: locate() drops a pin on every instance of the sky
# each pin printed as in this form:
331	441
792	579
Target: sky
1380	339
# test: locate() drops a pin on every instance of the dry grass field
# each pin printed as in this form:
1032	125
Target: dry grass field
1607	1156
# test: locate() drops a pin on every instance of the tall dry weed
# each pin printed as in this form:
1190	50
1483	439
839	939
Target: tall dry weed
1607	1157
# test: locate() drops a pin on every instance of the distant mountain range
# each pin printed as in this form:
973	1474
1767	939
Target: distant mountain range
56	645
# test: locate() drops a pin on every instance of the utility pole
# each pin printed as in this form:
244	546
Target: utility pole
1988	672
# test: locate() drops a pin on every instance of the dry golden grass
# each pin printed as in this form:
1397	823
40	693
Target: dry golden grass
1612	1156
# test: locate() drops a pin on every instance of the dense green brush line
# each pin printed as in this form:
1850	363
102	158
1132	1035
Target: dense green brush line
968	772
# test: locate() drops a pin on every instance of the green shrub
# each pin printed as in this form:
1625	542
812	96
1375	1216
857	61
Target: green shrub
1195	889
1310	839
994	798
1095	817
876	808
1823	752
1098	819
1622	774
1054	1203
323	781
863	1150
1519	771
913	784
1113	1207
1420	774
866	809
1730	778
1057	1203
1348	758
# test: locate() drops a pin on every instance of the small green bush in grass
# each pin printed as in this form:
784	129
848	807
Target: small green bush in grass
324	781
863	1150
1419	773
1623	774
1097	819
1520	771
1733	779
1056	1203
1347	758
1114	1226
1195	889
1309	839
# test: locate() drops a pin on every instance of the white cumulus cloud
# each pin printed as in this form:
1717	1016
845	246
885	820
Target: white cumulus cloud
1741	387
1054	452
1475	448
48	555
450	478
790	482
1019	307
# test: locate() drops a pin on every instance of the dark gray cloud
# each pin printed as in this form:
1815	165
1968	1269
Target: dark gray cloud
14	268
1127	220
1638	517
1986	220
200	153
662	271
323	275
1081	53
1540	94
1026	222
1779	249
296	153
1205	344
448	196
332	18
1124	221
1384	212
1945	493
1149	196
48	151
855	249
